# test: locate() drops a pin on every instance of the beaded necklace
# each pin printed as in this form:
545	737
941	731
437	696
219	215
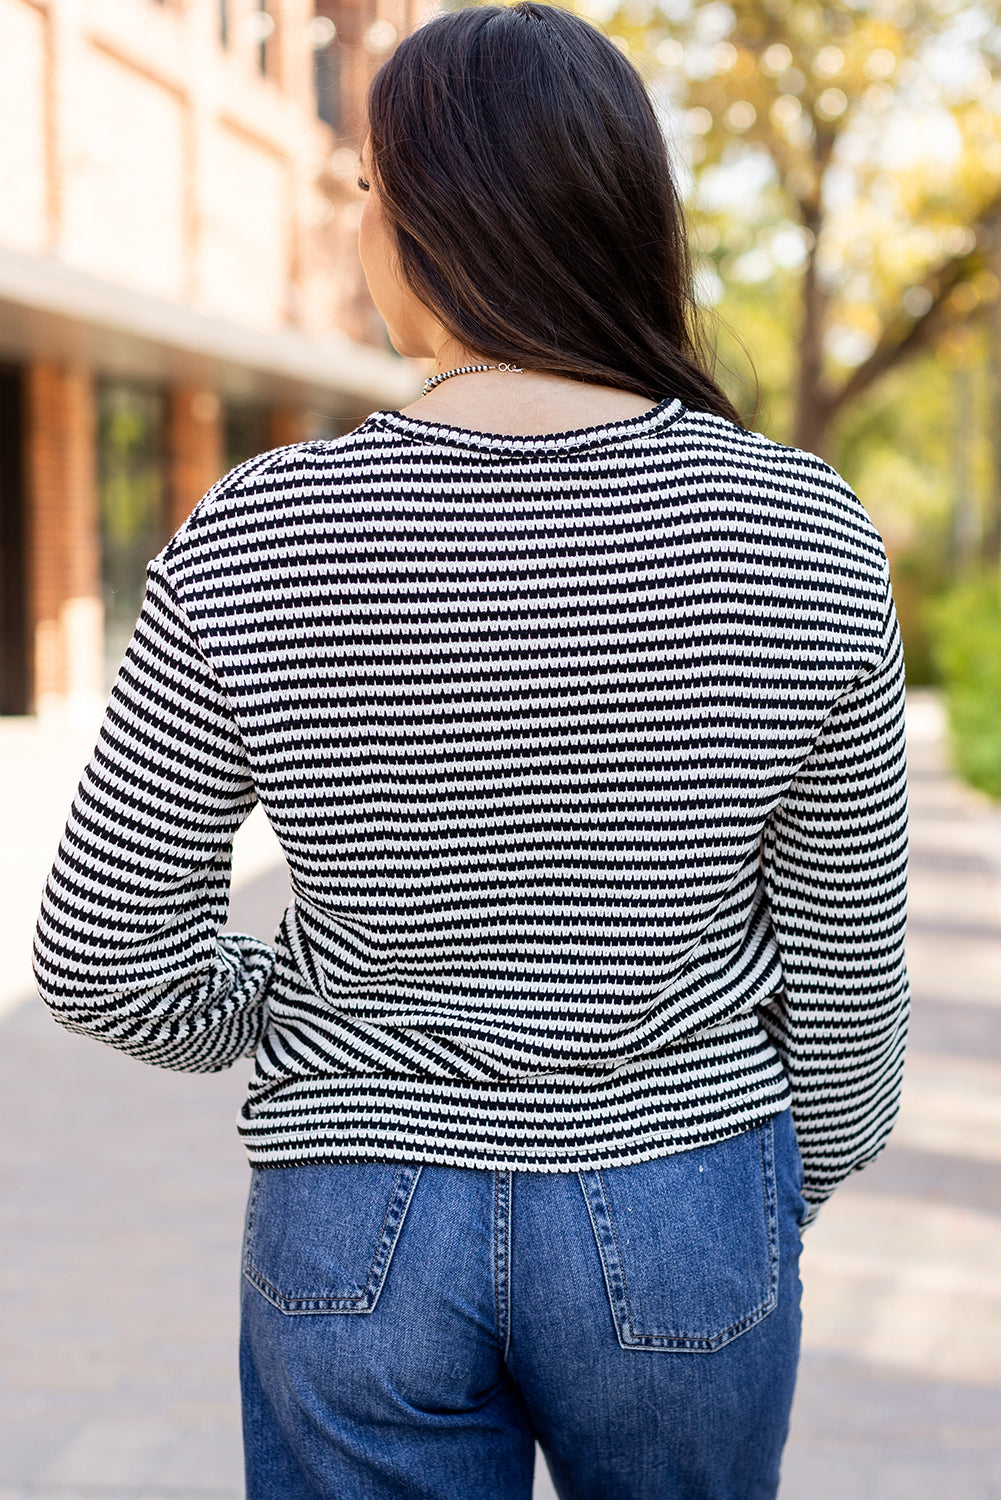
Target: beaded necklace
434	380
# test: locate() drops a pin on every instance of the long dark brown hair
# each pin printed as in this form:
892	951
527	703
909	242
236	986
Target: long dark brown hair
528	186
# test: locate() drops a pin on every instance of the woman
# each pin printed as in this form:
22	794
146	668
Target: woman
577	710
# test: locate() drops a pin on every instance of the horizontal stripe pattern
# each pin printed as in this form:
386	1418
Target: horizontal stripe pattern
586	755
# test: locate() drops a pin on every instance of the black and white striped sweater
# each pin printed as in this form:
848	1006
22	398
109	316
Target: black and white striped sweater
586	754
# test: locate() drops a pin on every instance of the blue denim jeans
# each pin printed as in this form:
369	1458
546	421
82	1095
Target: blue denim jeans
409	1332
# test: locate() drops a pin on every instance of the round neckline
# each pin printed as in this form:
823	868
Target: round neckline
421	429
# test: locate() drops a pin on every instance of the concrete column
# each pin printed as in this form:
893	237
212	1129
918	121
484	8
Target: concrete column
195	458
67	617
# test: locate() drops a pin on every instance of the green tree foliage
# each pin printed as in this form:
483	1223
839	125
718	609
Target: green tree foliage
853	149
845	197
842	164
967	623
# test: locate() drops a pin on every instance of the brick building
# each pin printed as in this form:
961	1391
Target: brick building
179	288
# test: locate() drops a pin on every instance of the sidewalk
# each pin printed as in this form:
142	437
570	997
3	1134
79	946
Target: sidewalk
900	1386
123	1189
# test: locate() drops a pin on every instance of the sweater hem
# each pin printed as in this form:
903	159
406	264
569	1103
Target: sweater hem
652	1109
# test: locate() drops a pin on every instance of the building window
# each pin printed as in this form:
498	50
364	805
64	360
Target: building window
131	493
327	55
262	28
15	656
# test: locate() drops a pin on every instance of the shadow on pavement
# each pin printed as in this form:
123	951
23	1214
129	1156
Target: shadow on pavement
122	1207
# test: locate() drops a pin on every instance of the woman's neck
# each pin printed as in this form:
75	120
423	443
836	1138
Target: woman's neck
525	404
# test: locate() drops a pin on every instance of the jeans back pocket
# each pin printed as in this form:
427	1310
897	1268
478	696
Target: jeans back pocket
320	1239
689	1242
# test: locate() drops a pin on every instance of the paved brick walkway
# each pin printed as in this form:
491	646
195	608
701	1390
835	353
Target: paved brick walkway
122	1199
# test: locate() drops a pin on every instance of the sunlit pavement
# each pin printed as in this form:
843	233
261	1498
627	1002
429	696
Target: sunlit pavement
123	1189
900	1389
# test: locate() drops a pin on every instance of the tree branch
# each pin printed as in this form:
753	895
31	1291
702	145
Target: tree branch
905	336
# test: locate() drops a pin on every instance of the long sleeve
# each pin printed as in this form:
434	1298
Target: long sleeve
835	862
128	946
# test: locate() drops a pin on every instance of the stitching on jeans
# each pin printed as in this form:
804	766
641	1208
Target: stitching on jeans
497	1315
304	1302
709	1343
382	1232
771	1191
248	1238
618	1254
606	1269
508	1233
502	1262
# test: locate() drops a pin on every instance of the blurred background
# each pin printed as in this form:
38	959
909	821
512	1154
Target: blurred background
179	284
843	175
179	290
